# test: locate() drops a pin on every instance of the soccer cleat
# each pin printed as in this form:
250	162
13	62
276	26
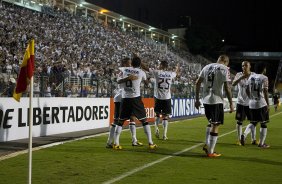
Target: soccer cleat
165	138
109	145
205	149
254	142
117	147
137	143
242	140
211	155
238	143
263	146
152	146
157	134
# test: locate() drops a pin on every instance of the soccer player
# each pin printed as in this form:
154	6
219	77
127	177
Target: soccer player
126	62
276	98
131	102
215	77
242	109
257	91
162	94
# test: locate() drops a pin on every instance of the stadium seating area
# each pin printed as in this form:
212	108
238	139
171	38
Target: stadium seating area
78	56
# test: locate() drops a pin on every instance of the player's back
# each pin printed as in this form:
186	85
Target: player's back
257	83
131	89
214	76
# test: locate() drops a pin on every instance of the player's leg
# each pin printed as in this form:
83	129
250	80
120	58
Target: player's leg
113	126
165	126
132	128
166	111
157	110
240	116
140	114
124	114
263	130
217	118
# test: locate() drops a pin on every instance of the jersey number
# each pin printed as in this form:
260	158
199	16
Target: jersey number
210	78
163	82
128	83
256	87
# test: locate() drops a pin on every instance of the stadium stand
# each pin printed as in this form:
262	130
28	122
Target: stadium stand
78	56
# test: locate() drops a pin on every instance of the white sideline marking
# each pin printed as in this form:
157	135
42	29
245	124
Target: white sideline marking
162	159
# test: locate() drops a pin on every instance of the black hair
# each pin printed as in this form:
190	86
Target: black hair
259	67
136	62
164	63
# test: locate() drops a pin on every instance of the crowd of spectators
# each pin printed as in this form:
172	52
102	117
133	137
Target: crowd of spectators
69	46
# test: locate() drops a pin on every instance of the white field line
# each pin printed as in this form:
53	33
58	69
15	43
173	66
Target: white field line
133	171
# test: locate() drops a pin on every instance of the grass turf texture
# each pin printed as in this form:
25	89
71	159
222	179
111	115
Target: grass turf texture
88	161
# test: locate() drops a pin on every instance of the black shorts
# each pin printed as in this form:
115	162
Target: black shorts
242	112
259	115
163	106
117	108
132	107
214	113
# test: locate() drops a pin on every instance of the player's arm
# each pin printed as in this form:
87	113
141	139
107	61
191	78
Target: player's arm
229	96
129	77
198	86
265	94
237	79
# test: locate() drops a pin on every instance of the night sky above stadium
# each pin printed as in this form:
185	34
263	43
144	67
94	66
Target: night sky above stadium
250	25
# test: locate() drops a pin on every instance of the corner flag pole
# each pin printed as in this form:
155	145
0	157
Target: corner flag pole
30	132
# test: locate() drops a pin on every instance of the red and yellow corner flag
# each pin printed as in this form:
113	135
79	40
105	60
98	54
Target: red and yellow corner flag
26	71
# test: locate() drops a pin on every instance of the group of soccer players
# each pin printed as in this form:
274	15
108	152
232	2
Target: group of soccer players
252	101
129	105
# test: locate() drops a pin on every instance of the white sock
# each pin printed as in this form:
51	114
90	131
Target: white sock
117	134
157	124
239	131
132	128
213	140
263	132
208	130
248	129
253	133
111	134
147	130
165	125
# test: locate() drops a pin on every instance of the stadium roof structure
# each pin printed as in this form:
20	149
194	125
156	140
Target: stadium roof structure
256	55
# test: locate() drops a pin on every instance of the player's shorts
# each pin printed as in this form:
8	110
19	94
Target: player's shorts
132	107
163	106
117	108
259	115
242	112
214	113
